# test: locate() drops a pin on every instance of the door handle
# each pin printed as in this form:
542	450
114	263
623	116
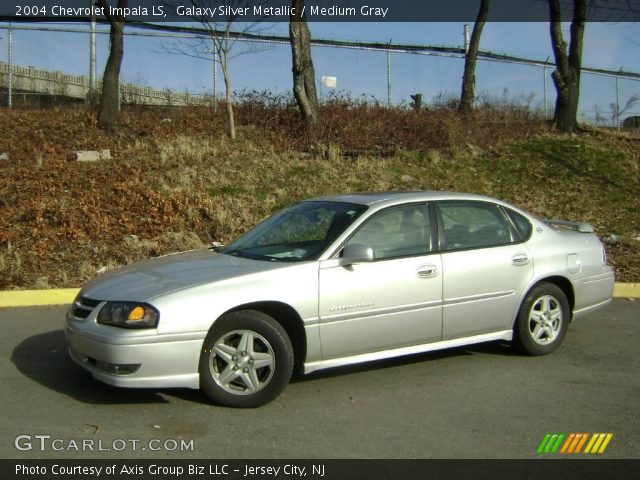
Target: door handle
427	271
520	259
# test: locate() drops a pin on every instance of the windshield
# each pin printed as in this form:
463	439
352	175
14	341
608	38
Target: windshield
297	233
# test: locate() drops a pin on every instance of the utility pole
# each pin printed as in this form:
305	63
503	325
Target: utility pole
10	79
389	77
93	79
618	102
466	39
544	80
215	80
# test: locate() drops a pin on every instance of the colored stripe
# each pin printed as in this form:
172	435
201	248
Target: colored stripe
544	441
599	440
557	444
550	443
574	443
567	443
582	440
590	444
607	439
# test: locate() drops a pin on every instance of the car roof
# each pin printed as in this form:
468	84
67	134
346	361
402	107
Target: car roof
398	196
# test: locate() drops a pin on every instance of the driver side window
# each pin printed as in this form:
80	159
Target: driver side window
396	232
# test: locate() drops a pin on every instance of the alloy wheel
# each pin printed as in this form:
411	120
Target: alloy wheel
545	319
242	362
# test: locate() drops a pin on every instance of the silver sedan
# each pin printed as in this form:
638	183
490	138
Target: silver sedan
334	281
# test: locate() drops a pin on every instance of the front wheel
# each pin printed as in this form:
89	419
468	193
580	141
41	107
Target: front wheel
246	360
542	320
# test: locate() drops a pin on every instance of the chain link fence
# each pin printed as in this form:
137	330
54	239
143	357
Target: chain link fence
52	64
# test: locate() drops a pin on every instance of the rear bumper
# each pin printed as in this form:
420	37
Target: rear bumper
583	311
145	365
593	292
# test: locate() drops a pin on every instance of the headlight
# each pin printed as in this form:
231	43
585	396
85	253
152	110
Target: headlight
128	315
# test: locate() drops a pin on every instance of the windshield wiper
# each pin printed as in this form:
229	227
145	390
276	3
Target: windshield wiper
236	252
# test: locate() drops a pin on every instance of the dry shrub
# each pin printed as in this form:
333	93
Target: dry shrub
364	125
181	184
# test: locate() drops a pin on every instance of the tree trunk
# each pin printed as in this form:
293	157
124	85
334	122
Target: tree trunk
109	113
304	75
566	76
228	95
468	95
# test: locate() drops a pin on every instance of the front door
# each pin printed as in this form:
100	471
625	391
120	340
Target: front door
392	302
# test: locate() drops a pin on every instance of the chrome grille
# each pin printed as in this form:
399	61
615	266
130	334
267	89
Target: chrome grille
83	306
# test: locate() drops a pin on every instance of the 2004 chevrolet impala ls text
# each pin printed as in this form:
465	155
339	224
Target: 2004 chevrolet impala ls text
335	281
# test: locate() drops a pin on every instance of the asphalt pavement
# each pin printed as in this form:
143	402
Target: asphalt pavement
481	402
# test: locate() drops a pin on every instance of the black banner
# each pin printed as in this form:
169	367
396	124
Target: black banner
319	469
221	11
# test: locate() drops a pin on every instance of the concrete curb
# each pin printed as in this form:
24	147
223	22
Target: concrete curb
39	298
628	290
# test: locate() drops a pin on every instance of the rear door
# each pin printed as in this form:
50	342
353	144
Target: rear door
486	266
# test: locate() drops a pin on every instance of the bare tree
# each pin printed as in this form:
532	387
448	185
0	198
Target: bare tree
109	112
224	39
617	111
222	45
566	76
304	75
468	94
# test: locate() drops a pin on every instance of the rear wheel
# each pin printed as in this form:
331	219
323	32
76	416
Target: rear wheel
246	360
542	320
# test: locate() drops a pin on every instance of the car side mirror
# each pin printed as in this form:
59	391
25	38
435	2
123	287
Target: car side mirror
355	253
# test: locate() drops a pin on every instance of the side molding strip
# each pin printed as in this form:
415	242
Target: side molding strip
396	352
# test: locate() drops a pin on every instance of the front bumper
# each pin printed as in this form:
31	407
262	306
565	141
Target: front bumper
165	361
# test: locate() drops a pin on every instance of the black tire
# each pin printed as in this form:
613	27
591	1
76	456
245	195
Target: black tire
538	329
235	345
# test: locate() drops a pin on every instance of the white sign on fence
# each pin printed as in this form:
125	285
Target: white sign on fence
329	82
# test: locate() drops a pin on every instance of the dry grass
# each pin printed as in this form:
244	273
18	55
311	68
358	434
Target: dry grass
176	186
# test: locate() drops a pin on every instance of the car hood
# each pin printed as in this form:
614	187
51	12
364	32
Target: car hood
145	280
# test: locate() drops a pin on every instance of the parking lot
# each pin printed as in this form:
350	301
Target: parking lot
481	402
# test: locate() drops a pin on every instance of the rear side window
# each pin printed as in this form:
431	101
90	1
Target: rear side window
521	223
473	225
